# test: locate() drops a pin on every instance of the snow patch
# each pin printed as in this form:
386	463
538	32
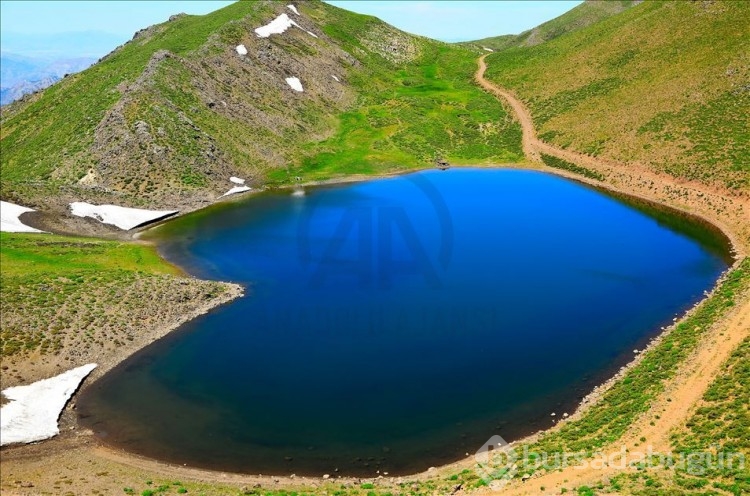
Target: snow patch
9	218
237	180
241	49
488	49
278	26
334	77
293	9
33	410
236	189
123	217
295	84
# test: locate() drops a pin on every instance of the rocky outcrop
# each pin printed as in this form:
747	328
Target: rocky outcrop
153	149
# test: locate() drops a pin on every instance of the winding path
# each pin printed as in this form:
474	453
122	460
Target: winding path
682	393
533	147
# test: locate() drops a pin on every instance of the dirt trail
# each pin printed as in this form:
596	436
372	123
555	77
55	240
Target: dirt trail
682	393
730	213
530	141
669	411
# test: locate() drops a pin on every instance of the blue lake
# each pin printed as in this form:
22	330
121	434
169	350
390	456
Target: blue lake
397	324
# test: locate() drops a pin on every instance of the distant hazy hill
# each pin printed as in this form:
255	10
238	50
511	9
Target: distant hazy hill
585	14
30	62
664	84
61	45
20	75
167	118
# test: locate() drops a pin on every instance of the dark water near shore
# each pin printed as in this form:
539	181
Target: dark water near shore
397	324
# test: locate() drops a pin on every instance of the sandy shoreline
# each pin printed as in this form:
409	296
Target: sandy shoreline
74	450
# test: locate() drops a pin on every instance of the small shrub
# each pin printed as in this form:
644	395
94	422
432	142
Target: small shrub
559	163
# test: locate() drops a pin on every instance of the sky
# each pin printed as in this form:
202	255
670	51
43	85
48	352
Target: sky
29	26
77	28
461	20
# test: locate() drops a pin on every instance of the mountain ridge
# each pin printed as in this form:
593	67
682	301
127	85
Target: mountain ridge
168	117
587	13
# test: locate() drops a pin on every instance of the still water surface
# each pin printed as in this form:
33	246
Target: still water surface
397	324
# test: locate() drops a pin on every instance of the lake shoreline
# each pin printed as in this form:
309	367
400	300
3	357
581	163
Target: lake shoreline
93	448
593	395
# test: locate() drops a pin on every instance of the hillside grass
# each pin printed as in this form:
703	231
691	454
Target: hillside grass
45	143
424	111
559	163
721	424
49	256
71	296
414	100
408	113
664	84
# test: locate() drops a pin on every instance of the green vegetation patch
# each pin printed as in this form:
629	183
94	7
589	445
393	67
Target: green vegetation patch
715	442
78	295
411	114
49	255
559	163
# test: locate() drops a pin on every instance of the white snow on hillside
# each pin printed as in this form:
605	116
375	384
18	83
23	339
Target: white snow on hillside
295	83
277	26
488	49
237	180
33	410
9	221
241	49
293	9
236	189
123	217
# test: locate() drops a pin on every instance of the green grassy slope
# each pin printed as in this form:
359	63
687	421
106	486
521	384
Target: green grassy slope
585	14
63	297
46	139
168	117
410	113
663	83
